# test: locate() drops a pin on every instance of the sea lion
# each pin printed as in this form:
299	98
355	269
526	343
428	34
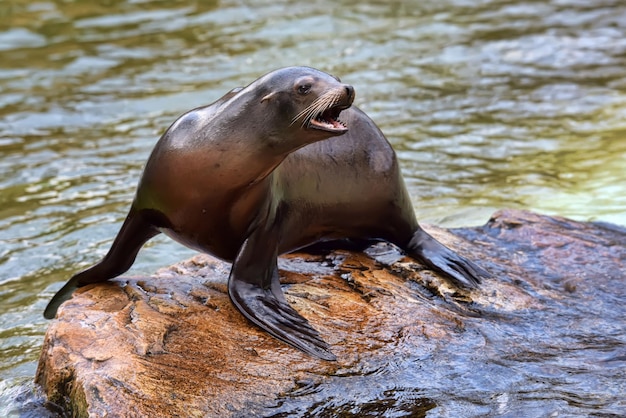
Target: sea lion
265	170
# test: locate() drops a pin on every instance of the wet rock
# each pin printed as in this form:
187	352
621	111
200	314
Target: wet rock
544	335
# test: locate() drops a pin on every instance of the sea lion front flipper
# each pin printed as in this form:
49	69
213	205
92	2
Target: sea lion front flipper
254	289
460	270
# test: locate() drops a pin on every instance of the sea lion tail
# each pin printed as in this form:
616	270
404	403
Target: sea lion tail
461	271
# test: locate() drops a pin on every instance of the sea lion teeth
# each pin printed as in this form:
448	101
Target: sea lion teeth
328	120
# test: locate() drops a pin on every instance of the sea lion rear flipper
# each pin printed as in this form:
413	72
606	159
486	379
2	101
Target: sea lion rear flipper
460	270
65	293
254	289
135	231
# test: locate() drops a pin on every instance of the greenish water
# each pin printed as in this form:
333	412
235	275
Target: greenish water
490	104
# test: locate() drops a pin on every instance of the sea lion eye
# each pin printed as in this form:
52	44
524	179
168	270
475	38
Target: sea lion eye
304	88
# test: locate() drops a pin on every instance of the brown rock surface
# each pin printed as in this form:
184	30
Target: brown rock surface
173	345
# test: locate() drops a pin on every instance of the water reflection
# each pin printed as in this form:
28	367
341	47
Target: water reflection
490	104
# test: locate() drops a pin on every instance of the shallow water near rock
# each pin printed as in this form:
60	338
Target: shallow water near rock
489	104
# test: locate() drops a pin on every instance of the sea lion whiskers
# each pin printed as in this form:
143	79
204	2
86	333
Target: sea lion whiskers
313	109
327	101
323	103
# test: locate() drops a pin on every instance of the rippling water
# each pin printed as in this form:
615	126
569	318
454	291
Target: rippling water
489	104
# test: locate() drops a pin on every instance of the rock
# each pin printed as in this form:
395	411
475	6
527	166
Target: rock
406	342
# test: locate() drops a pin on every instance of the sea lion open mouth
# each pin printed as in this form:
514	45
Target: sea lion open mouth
328	120
323	113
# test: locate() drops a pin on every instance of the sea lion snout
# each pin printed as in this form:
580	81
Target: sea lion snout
346	94
323	112
349	92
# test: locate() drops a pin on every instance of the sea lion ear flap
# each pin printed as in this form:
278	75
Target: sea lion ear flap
268	96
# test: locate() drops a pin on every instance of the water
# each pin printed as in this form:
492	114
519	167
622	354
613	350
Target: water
490	104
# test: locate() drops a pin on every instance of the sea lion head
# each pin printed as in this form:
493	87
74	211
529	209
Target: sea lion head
304	104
